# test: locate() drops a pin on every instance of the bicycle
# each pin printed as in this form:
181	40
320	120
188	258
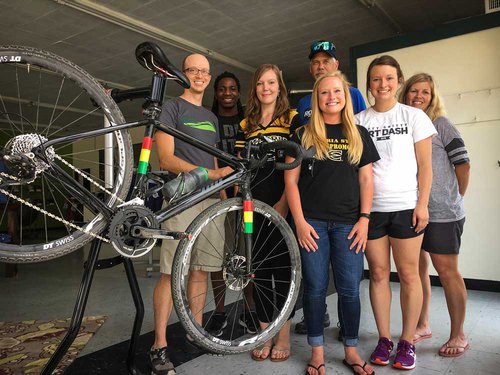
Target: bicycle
50	127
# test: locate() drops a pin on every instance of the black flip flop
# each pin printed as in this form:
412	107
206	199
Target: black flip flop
356	365
314	367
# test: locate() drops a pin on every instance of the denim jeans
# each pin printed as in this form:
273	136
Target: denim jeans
333	248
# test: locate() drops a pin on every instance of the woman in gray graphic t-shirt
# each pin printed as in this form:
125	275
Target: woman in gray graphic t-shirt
450	169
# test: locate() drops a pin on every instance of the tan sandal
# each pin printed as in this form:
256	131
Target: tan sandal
285	351
260	350
314	367
460	350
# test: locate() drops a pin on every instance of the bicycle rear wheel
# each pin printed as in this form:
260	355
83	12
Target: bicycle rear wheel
217	239
43	97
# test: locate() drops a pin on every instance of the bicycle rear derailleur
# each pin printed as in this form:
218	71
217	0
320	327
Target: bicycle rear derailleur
21	161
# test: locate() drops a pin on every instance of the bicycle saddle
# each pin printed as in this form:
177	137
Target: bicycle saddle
151	57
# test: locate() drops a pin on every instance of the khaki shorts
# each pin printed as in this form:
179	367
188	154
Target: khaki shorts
210	243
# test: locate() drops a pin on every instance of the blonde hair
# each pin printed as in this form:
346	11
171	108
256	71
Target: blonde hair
253	108
436	107
315	131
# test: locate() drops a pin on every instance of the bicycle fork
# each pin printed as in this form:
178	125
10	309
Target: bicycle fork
248	223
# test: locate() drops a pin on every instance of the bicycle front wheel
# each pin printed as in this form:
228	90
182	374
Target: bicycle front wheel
43	97
217	247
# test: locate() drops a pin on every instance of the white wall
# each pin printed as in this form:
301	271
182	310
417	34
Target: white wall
467	71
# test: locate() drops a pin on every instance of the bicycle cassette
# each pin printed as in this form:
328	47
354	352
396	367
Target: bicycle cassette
121	226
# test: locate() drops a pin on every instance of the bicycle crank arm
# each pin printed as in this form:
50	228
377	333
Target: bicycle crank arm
160	234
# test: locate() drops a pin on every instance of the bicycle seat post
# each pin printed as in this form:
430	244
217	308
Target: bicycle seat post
155	99
152	112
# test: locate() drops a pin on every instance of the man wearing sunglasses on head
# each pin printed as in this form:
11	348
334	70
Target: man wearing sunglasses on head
323	59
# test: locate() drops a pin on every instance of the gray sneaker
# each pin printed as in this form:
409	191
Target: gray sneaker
160	362
217	323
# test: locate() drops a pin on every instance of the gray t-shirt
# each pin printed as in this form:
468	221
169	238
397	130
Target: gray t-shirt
448	150
195	121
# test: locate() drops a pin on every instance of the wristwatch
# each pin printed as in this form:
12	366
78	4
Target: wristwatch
364	214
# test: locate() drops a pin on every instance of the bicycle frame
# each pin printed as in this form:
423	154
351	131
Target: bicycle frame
240	176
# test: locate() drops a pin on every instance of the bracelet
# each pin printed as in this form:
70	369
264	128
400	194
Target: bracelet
364	214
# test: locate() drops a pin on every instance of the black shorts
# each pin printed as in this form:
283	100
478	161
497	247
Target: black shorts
443	238
393	224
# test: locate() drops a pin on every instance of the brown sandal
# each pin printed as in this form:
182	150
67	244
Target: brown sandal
285	351
260	350
460	352
314	367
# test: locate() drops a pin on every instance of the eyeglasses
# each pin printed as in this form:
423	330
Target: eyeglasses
323	46
195	71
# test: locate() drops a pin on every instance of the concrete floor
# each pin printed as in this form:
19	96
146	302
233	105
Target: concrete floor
48	291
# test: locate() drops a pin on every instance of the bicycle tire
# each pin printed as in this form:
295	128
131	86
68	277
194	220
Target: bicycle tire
233	342
61	106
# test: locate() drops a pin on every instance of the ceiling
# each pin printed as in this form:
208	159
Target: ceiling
239	34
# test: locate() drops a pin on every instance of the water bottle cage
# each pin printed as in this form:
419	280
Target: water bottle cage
155	183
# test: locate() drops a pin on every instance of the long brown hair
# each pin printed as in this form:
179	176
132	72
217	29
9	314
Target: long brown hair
253	109
315	131
383	60
436	107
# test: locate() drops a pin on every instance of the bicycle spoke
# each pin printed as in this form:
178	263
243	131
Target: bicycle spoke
51	188
55	106
262	303
63	111
44	216
256	239
268	255
232	312
273	268
38	100
211	244
73	122
19	100
9	120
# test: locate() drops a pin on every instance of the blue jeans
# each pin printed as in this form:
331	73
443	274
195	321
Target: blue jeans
333	248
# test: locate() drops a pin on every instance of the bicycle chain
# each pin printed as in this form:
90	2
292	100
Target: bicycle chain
89	179
57	218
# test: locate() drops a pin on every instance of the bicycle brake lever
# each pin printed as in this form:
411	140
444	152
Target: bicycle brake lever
267	139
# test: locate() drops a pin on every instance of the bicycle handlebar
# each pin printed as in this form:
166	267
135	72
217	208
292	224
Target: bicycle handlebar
291	149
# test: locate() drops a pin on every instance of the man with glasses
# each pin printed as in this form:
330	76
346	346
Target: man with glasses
186	114
322	60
